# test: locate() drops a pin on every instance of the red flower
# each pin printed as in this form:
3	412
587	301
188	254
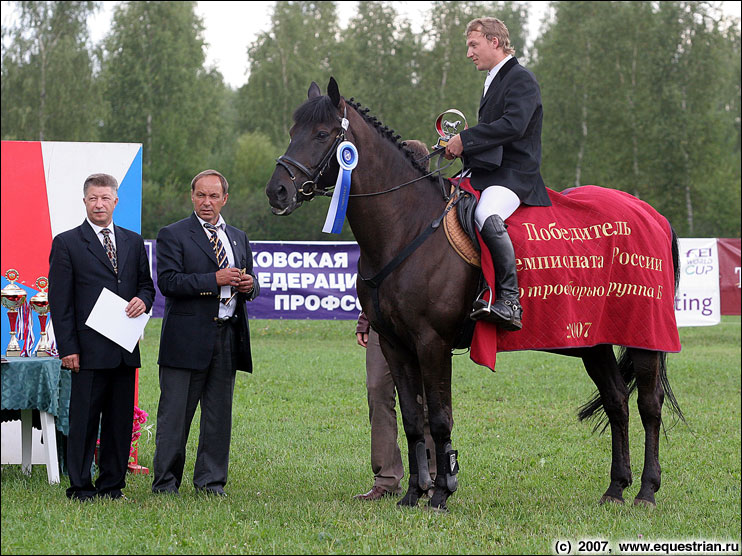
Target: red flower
140	417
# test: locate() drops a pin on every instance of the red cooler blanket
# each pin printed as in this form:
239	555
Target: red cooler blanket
594	268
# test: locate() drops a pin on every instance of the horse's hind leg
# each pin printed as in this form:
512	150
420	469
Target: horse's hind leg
650	399
600	363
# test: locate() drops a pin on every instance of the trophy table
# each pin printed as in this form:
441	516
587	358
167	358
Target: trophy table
13	298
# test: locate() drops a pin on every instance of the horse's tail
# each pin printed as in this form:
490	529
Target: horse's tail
594	407
674	406
675	258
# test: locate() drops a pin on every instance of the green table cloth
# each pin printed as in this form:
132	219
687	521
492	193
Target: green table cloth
36	383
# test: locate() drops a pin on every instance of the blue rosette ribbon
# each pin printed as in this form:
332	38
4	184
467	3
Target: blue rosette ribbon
347	156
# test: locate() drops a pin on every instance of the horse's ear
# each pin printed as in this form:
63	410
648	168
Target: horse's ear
314	91
333	92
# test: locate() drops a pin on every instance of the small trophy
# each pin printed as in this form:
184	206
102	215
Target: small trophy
40	304
448	124
13	298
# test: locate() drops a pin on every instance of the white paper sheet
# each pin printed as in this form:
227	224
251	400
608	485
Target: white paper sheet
108	317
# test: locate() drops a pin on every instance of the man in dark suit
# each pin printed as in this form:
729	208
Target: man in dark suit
96	255
503	153
204	269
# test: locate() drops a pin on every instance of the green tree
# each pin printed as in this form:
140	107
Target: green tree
565	58
159	93
376	65
49	89
691	135
253	162
637	96
163	204
298	49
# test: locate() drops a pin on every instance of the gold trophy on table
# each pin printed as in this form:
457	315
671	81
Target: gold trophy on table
40	304
13	298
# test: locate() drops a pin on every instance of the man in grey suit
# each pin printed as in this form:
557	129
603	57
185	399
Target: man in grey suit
503	153
96	255
205	272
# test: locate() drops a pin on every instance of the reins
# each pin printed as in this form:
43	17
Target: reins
309	189
438	172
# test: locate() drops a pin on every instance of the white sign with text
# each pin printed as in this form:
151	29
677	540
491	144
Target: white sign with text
698	299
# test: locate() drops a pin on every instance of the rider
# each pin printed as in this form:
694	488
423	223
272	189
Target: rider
503	153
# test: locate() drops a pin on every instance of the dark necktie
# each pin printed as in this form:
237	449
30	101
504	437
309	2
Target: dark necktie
110	249
216	243
221	253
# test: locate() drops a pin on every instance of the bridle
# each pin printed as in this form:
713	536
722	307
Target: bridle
310	188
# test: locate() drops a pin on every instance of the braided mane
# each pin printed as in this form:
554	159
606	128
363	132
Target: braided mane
388	133
321	109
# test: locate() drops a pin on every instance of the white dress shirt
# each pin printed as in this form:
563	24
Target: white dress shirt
493	72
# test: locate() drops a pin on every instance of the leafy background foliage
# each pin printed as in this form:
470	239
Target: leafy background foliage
639	96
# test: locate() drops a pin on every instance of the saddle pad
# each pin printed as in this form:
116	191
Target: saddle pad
594	268
458	238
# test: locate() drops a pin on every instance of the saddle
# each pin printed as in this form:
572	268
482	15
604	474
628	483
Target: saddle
460	232
459	226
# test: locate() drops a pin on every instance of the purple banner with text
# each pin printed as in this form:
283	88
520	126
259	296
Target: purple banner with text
298	280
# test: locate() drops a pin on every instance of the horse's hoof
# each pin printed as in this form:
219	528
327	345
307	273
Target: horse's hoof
610	500
438	501
437	509
645	503
408	501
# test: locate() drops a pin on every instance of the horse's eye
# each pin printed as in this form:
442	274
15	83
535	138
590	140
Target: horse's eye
322	135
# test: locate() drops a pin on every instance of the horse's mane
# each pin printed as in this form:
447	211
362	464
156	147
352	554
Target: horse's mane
322	109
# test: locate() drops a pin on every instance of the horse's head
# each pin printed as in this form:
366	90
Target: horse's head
309	165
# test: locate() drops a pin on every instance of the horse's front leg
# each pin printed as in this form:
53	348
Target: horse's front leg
436	368
408	380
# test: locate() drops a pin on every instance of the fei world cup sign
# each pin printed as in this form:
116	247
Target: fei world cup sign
698	299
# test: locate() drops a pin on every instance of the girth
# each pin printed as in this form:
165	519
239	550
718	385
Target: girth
375	282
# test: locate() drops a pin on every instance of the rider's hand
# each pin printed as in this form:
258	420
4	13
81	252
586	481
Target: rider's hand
454	148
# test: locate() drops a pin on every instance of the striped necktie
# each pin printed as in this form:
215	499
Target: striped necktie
110	249
221	253
216	243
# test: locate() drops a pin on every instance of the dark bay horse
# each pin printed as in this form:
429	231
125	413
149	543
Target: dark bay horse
417	293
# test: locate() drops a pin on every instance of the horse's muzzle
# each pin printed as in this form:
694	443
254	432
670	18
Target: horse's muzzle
282	198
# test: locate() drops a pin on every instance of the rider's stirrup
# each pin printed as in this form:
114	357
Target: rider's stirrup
481	295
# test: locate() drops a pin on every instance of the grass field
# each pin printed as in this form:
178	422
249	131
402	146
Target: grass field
531	474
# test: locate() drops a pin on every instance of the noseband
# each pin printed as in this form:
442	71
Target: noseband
310	188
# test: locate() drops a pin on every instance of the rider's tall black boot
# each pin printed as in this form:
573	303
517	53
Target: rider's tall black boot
506	311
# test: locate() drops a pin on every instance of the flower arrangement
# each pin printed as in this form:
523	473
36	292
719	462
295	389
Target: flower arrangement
140	417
